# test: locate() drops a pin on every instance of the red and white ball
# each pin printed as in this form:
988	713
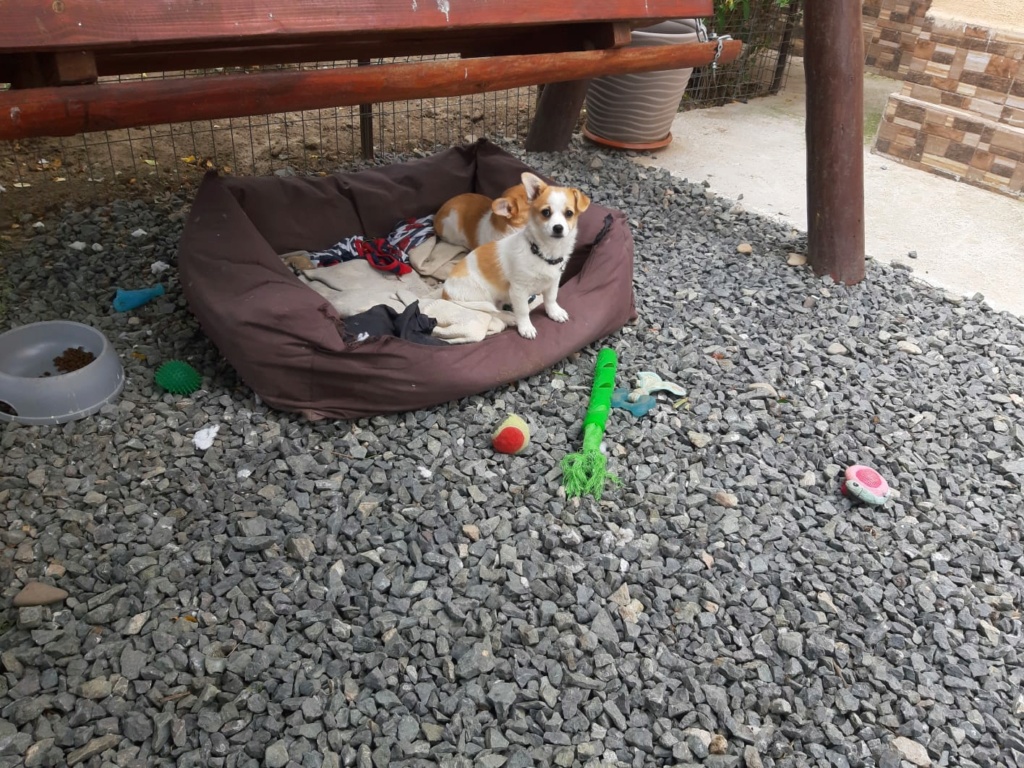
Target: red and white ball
511	436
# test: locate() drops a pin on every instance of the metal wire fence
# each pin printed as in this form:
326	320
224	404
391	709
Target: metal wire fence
292	142
767	29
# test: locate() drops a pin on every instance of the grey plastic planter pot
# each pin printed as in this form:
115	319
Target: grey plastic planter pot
636	111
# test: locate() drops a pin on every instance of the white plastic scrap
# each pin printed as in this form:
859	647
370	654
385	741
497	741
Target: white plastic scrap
140	232
203	439
159	266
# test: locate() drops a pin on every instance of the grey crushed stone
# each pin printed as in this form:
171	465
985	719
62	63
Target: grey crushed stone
391	592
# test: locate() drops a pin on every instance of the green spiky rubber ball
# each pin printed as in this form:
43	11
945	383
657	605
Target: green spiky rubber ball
178	377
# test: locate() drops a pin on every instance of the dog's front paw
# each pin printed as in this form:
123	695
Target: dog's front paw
557	314
528	331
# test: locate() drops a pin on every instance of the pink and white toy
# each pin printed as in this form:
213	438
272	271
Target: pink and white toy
865	484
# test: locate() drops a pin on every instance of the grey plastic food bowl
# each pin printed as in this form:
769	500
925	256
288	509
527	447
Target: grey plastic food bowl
33	391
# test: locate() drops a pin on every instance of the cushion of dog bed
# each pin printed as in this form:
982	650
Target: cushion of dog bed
290	346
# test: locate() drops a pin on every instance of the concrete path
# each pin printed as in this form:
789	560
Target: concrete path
966	239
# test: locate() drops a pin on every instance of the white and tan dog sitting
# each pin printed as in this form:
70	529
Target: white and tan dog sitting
470	220
527	263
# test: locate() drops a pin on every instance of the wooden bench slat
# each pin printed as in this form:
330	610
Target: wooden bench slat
53	25
547	39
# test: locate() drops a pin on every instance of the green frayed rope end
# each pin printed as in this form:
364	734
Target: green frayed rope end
586	472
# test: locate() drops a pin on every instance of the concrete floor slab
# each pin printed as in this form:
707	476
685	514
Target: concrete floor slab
966	240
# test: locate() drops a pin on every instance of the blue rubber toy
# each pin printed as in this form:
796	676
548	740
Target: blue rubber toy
126	300
643	405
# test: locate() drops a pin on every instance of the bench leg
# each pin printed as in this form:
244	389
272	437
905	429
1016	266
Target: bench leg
558	111
366	124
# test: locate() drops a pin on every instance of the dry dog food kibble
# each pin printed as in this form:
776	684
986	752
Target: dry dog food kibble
72	359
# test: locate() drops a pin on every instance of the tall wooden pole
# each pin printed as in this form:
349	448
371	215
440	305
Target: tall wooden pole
834	67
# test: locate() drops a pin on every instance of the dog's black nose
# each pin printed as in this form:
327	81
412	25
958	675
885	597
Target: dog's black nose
558	229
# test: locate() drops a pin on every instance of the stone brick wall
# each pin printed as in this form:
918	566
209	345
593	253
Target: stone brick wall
960	112
891	29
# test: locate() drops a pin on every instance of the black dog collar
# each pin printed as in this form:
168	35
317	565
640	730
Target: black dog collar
536	251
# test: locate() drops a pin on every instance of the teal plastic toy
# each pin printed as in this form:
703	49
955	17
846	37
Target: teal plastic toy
641	400
126	300
639	407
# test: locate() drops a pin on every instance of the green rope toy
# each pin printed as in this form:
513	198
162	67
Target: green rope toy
586	472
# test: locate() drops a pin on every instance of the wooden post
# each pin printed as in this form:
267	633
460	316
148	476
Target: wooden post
834	67
559	104
558	111
784	45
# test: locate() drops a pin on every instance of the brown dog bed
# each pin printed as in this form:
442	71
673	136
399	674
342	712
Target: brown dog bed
289	344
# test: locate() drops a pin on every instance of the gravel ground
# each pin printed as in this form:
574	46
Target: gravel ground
391	592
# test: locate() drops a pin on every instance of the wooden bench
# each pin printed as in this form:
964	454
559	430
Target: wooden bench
59	56
57	53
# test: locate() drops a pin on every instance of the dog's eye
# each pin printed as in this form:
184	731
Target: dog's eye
568	213
546	213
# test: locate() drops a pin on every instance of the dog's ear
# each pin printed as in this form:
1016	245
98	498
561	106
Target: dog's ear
582	201
533	185
503	206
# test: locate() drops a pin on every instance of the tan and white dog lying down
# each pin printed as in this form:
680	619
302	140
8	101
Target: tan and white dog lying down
470	220
527	263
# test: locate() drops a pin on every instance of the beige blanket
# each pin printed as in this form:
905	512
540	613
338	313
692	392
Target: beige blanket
353	287
435	258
